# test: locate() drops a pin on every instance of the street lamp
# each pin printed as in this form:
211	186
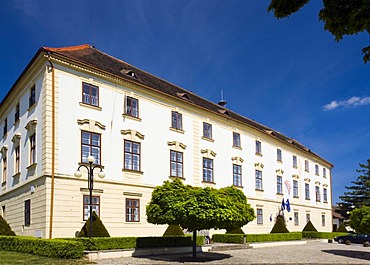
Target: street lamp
90	179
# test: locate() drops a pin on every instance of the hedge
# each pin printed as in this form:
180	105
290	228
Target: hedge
228	238
322	235
56	248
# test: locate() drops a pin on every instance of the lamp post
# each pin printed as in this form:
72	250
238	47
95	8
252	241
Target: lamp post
90	179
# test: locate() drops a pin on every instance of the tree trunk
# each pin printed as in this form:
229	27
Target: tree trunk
194	245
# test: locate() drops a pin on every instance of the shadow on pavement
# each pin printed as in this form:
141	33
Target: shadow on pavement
201	257
350	253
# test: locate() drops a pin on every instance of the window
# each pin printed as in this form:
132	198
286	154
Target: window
325	194
17	111
308	217
258	180
132	210
207	170
90	146
17	159
176	164
5	170
258	148
27	213
176	120
307	191
95	206
90	94
33	149
295	188
317	191
279	155
207	130
5	127
296	218
32	98
324	172
259	216
295	164
279	185
132	107
132	155
306	166
323	219
236	139
317	169
237	175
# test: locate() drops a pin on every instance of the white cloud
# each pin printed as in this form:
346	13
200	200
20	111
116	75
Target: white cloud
351	102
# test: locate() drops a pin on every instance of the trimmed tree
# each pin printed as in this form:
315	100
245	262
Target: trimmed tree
196	208
309	227
342	228
235	231
173	230
98	228
280	226
5	229
360	220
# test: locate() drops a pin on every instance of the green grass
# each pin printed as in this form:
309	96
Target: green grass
11	258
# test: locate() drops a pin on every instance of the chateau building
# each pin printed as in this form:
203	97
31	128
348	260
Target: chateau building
73	102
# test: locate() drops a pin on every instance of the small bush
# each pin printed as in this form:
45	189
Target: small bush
5	228
98	228
309	227
342	228
173	230
235	231
279	226
105	243
55	248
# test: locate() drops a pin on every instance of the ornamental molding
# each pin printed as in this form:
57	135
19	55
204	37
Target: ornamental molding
258	166
295	176
176	144
31	125
325	185
133	134
91	123
4	150
307	180
16	138
208	152
279	171
237	159
317	182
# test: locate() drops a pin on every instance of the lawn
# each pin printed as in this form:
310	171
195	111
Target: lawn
10	258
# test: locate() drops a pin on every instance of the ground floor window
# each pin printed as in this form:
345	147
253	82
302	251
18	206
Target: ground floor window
323	220
259	216
27	213
132	210
296	218
95	206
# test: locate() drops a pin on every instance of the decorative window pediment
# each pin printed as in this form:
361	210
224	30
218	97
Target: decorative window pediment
237	159
133	135
325	185
258	166
91	125
16	138
208	153
177	145
307	180
295	176
4	150
317	182
31	126
279	171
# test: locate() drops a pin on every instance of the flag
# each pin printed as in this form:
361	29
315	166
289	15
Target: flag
282	205
287	205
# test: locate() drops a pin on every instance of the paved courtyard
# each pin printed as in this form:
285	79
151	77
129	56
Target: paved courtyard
314	252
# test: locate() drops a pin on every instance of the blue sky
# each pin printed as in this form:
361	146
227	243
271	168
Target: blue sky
287	74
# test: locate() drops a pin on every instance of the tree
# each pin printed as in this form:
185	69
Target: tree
5	229
358	194
196	208
360	220
340	17
309	227
98	228
279	226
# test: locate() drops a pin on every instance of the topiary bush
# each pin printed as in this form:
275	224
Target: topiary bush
235	231
309	227
279	226
98	228
5	229
173	230
342	228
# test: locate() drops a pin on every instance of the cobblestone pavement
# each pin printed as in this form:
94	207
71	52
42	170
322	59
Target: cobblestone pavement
314	252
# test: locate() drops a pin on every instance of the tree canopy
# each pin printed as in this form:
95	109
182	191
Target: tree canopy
340	17
196	208
360	220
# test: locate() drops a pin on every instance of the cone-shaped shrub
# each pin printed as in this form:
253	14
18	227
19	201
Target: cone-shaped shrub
173	230
5	229
309	227
342	228
98	228
279	226
235	231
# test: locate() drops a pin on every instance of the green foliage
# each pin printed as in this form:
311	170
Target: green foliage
235	231
150	242
5	228
322	235
238	239
279	226
309	227
342	228
173	230
57	248
358	194
340	17
197	208
98	228
105	243
360	220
